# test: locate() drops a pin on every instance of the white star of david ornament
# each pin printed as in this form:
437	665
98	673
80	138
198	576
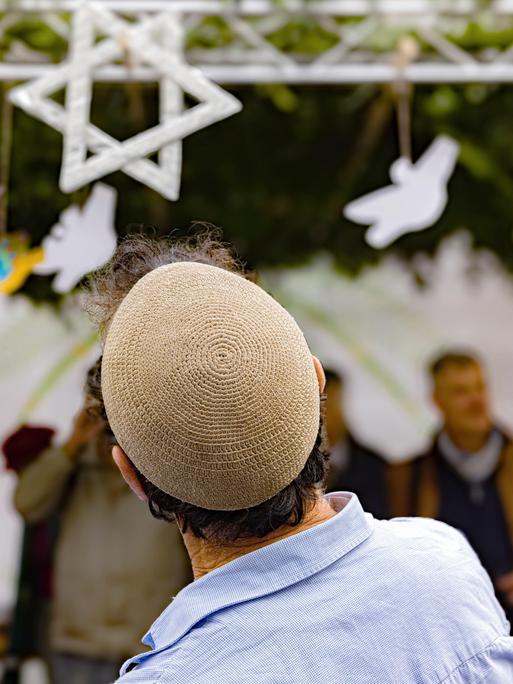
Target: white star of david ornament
155	41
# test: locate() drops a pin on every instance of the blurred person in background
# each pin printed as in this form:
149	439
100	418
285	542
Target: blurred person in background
353	467
28	633
115	565
466	476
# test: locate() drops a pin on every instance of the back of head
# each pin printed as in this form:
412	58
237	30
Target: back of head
208	383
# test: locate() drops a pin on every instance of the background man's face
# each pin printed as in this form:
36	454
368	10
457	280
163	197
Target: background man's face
461	395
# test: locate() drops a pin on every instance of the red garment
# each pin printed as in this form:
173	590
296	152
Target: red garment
25	444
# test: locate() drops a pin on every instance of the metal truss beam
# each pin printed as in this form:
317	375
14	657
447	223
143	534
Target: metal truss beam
356	8
252	58
297	75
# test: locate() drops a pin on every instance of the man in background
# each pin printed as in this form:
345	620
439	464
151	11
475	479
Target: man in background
353	467
466	477
115	566
28	630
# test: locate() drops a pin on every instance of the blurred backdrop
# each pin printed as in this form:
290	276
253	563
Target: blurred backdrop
276	177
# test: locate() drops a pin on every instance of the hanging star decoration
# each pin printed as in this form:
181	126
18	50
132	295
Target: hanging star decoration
415	201
83	240
17	261
154	41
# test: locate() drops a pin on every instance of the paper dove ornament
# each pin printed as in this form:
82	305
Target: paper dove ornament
415	201
82	241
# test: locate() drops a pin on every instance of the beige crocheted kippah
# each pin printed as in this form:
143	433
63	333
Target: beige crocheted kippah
210	387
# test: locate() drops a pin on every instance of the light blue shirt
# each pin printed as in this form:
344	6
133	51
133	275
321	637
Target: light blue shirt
354	600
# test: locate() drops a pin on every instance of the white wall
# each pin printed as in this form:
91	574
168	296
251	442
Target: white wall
381	328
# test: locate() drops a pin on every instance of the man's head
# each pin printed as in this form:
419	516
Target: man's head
209	389
460	393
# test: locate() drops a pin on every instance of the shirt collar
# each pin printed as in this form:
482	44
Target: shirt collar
265	570
477	466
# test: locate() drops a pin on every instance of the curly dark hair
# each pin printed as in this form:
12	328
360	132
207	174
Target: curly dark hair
135	257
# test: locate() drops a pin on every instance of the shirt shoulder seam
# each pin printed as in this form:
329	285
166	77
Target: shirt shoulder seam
174	670
486	648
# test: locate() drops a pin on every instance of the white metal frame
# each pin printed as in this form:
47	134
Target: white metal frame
253	59
154	39
253	7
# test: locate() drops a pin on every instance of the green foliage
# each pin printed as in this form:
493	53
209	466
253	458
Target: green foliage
277	181
212	32
277	176
479	35
283	97
32	34
303	35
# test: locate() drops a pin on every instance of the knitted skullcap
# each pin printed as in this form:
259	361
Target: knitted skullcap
210	387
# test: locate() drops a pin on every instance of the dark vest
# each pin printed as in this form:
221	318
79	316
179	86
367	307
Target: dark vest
476	510
365	475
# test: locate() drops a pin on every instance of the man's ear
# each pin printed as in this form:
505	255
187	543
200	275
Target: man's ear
319	370
128	472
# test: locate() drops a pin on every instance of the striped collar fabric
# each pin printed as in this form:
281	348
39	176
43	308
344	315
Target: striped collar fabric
262	572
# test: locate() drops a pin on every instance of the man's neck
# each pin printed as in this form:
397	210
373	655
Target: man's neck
468	442
206	556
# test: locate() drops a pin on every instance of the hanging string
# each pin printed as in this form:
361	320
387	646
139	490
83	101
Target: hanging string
407	51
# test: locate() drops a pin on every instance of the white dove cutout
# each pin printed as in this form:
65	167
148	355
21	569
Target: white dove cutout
415	201
82	241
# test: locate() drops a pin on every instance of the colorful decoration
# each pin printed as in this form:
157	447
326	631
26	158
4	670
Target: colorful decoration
155	41
16	261
415	201
82	241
